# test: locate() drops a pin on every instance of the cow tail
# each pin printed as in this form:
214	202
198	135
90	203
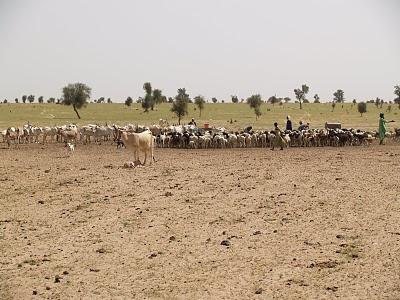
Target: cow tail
152	149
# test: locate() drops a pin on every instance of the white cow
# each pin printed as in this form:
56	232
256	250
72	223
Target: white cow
35	132
12	134
137	142
24	134
3	135
49	131
69	133
103	133
86	132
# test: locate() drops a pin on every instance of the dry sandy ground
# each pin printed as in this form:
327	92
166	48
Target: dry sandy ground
316	223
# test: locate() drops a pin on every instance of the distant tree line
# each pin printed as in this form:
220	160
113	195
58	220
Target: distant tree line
77	95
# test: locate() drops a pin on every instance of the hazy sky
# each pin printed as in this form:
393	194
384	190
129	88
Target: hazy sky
210	47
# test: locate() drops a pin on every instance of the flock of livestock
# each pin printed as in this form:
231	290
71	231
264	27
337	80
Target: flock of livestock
189	136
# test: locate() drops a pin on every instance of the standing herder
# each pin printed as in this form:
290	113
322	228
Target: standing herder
288	124
278	140
302	126
382	128
193	122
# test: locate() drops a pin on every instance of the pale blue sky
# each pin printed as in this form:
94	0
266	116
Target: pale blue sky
214	48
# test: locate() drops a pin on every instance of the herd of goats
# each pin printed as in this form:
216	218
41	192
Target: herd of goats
190	137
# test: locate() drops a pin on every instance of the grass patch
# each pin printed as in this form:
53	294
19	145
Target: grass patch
219	115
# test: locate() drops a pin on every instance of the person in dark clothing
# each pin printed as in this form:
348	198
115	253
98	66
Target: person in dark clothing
193	122
289	124
302	126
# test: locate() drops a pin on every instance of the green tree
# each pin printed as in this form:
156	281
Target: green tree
301	94
235	99
180	104
362	108
272	100
151	97
16	100
31	98
316	98
147	102
109	101
397	93
255	102
77	95
157	97
24	97
199	102
40	99
377	101
338	96
147	87
214	100
128	101
354	101
287	99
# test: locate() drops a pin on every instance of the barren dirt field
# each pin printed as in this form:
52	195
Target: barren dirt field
315	223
